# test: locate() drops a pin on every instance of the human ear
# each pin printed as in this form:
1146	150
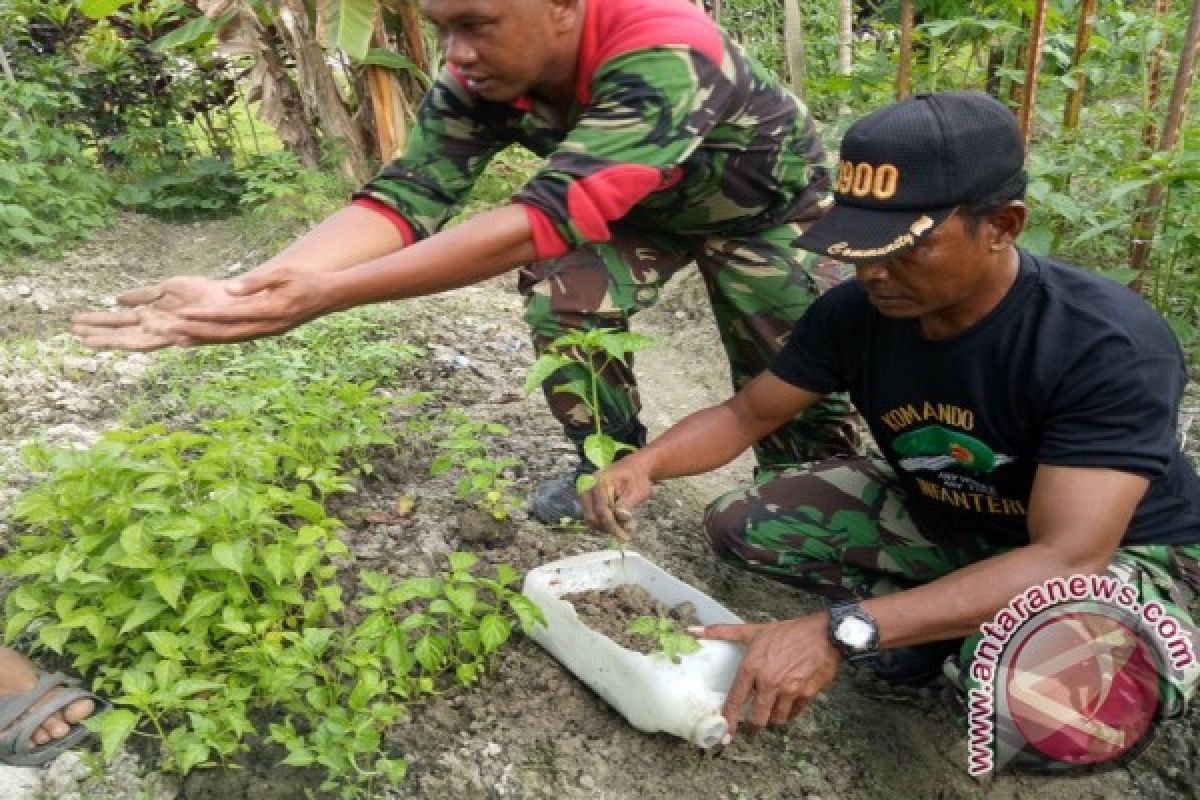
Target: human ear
1006	223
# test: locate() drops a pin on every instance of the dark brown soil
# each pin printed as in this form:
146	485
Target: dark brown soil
610	611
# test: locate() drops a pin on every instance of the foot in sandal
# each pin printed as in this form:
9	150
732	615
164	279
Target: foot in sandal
40	713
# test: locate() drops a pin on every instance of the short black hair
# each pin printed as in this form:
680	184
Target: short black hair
976	211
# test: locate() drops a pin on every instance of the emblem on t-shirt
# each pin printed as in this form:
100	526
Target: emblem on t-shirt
961	466
934	447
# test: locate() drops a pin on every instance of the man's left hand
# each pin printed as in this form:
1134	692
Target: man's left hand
259	305
786	665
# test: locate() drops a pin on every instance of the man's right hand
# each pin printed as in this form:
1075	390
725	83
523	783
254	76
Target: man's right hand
609	505
147	321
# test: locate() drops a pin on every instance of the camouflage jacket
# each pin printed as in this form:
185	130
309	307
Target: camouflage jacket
674	129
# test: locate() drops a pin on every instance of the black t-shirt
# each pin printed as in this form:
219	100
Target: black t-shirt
1069	369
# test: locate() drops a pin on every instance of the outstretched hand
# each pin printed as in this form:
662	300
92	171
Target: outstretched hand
609	505
187	311
147	321
786	665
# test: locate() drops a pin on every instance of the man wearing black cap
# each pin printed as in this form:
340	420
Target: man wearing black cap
1025	410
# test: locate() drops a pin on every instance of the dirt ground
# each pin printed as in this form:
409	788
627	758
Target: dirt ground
533	730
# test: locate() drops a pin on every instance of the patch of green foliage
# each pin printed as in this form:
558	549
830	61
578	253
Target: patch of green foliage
195	574
468	448
51	191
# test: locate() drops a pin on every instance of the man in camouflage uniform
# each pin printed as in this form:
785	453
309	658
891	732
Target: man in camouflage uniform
1025	411
664	145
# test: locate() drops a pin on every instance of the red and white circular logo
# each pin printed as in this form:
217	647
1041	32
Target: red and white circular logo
1079	686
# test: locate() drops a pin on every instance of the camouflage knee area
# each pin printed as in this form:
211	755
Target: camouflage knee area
829	429
837	528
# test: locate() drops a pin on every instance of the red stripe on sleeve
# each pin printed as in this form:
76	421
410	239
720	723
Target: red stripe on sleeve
547	241
392	215
608	195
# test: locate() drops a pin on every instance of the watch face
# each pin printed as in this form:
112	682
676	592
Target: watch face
854	633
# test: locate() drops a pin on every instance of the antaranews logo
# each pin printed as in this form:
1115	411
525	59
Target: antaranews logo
1074	673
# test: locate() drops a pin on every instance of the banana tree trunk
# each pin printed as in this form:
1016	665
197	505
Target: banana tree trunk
904	72
1033	66
1083	37
280	104
390	106
320	89
1185	73
414	48
793	37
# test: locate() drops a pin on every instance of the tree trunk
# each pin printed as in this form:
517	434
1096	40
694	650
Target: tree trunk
1154	79
904	72
414	48
320	90
280	103
390	107
1033	66
845	45
994	62
1147	220
6	68
1083	37
793	36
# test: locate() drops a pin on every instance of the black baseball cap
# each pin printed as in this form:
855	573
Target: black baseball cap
902	170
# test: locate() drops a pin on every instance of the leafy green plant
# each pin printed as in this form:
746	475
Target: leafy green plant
196	187
583	356
51	193
160	560
468	448
419	637
672	643
196	574
277	186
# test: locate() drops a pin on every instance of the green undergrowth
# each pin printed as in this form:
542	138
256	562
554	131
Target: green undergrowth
189	565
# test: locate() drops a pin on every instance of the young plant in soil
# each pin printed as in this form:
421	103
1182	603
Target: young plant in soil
584	355
671	642
635	619
468	447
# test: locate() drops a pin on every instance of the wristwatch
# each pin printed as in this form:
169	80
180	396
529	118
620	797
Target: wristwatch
853	631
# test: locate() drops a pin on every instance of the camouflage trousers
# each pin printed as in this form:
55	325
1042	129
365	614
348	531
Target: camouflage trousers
841	529
757	287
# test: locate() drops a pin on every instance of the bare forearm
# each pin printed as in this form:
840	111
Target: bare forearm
484	246
347	238
705	440
715	436
957	604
